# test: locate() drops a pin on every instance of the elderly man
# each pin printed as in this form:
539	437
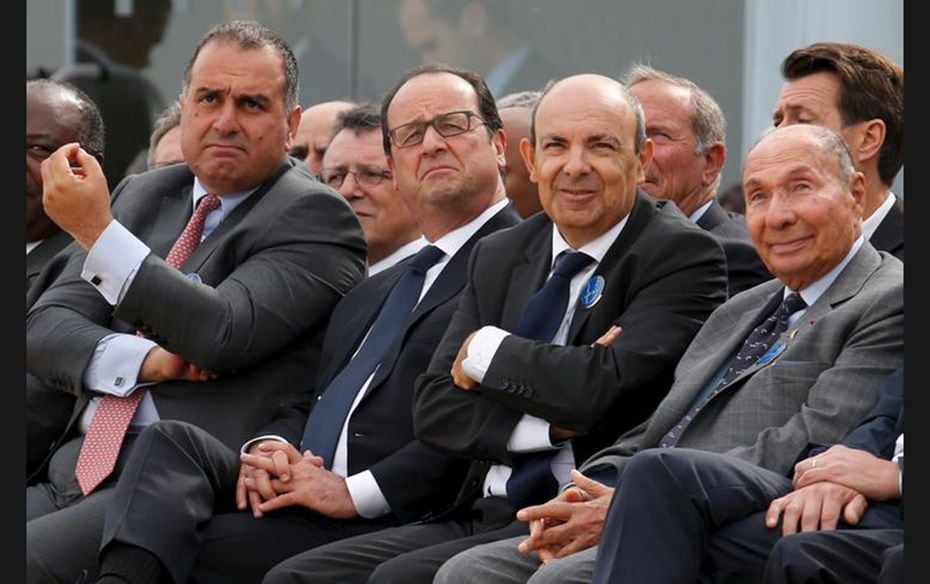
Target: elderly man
791	362
56	113
355	165
315	131
362	468
217	333
689	130
517	114
525	381
858	93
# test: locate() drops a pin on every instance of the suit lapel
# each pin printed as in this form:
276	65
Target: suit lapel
527	276
644	209
173	215
712	217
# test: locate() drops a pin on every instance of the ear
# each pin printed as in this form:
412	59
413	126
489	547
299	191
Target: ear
857	189
645	157
869	140
499	140
293	122
390	167
528	154
714	158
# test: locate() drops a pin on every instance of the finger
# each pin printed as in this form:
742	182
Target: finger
527	546
789	518
810	515
261	482
282	467
255	501
548	510
313	459
241	493
811	476
545	555
270	446
263	463
773	513
590	486
853	511
830	514
278	502
609	337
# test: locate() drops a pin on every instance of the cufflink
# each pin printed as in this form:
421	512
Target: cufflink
96	280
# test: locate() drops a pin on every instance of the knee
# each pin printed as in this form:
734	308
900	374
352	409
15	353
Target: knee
790	559
403	570
456	570
281	574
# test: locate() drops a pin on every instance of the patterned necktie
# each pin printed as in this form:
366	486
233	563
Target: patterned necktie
763	337
324	425
531	479
107	429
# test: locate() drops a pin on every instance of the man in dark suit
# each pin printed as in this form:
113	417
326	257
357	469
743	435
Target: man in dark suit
689	133
232	321
793	361
679	508
377	474
56	113
522	404
859	93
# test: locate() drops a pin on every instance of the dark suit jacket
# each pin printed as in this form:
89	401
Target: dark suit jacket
42	255
414	478
659	295
271	273
813	392
890	233
744	268
879	431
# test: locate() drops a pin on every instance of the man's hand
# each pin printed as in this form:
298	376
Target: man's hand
569	523
459	377
876	478
309	485
161	365
266	459
608	338
816	506
75	194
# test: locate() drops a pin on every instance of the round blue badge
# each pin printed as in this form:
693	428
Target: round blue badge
591	293
195	278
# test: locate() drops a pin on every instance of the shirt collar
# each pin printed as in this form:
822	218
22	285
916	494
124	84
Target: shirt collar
696	216
816	290
31	245
228	202
404	251
451	242
596	248
870	224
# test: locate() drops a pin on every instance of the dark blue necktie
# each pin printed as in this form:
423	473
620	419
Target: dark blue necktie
531	481
324	425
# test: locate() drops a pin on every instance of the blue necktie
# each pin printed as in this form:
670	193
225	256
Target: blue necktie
531	481
324	425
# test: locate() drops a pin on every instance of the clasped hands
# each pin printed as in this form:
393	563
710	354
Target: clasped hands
274	475
837	483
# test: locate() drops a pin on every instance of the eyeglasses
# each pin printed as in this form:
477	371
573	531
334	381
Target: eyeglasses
367	176
446	125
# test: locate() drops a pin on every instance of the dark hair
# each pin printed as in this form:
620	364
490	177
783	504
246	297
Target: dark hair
248	34
362	118
486	106
91	134
638	140
871	86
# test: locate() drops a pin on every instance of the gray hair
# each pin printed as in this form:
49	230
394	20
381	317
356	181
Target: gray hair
169	119
524	99
248	34
707	122
828	142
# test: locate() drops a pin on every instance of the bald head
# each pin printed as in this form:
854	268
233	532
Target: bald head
315	131
587	154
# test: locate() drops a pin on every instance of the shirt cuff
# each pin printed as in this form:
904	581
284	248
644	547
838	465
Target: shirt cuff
116	362
113	261
531	434
366	495
247	445
481	351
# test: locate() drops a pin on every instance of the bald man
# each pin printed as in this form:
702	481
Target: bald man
315	131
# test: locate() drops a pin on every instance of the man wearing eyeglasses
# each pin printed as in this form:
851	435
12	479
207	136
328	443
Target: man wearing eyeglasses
355	165
343	459
531	377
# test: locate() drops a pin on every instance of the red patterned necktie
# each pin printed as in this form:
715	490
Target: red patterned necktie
107	429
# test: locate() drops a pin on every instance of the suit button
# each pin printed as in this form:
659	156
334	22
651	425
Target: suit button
358	435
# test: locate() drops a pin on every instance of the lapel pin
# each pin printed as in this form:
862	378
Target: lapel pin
592	291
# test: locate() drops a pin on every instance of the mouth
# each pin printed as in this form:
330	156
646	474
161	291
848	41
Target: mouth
790	246
436	168
224	149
